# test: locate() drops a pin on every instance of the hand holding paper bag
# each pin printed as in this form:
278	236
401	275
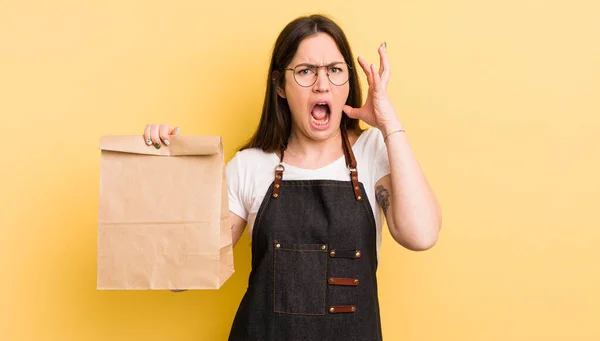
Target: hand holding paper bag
163	215
159	134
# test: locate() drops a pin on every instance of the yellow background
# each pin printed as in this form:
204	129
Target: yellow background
500	100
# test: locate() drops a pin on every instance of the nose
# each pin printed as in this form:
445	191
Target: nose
322	83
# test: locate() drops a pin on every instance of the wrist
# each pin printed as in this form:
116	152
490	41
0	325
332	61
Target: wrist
389	127
385	137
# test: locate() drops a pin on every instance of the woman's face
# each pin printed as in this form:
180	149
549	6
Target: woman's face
317	109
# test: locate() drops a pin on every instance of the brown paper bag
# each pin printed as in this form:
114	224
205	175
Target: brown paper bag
163	216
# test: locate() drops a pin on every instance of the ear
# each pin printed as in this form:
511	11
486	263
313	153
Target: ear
281	92
275	80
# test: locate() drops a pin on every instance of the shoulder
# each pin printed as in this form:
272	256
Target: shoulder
249	160
371	152
372	135
249	173
370	142
251	154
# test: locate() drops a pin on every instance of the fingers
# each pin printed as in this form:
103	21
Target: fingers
384	64
163	132
155	135
351	112
380	50
159	134
147	138
366	69
376	78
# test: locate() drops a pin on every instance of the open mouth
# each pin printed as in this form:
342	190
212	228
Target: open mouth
320	114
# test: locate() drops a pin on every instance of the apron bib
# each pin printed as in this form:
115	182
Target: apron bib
314	262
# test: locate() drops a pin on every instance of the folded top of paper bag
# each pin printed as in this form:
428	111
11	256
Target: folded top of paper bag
180	145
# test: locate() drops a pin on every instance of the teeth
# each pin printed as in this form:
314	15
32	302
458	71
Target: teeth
320	122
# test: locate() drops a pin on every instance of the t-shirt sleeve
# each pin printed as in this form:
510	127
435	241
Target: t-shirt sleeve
235	187
381	162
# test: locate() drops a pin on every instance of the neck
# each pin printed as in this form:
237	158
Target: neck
305	152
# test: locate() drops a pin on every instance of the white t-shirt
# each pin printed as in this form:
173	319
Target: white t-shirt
251	171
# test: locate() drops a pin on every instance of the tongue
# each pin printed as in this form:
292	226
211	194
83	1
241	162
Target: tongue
319	112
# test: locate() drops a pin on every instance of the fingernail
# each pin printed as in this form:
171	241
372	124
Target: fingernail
148	141
167	142
385	45
177	131
157	145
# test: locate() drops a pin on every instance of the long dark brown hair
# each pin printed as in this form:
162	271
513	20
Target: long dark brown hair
275	123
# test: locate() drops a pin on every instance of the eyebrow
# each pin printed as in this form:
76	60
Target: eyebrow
311	64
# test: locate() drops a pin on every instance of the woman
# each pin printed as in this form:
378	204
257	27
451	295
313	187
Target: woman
315	222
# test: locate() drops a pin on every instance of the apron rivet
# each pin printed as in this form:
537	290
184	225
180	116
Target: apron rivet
332	310
276	185
332	253
359	197
278	176
356	188
358	254
323	247
275	195
331	281
278	246
354	178
356	281
353	309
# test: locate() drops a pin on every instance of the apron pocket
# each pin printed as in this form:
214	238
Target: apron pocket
299	278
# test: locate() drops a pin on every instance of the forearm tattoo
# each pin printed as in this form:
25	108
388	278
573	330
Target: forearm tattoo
383	198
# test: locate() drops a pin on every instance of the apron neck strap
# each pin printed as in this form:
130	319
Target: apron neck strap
350	164
348	153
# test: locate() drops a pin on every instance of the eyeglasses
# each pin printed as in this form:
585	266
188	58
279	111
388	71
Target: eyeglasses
306	74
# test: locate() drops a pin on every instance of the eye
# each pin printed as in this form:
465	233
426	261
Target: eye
304	71
337	68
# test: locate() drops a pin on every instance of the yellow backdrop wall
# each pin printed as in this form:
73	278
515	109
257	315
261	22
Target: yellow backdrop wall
500	100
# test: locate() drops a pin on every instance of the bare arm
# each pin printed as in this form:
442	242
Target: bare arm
411	209
238	225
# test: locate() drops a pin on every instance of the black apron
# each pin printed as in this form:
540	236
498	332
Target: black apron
314	262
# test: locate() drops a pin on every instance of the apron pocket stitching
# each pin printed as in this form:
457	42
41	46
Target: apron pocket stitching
300	279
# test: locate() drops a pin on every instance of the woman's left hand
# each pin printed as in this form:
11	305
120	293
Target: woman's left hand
378	110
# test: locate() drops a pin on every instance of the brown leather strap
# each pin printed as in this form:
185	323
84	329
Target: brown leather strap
338	309
351	164
353	282
348	153
278	176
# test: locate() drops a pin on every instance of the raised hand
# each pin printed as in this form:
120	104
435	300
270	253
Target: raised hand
377	110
